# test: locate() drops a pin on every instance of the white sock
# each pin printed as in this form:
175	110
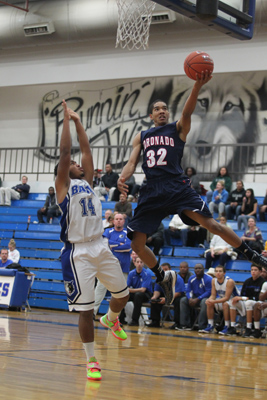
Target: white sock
112	315
232	323
227	323
257	324
249	325
89	350
211	322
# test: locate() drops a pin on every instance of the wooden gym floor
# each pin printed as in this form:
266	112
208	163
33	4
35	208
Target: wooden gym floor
41	357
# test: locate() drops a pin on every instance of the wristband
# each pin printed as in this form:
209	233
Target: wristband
244	298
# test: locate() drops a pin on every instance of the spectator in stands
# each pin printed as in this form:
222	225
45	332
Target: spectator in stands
192	175
253	236
13	253
158	301
197	292
97	178
140	287
248	209
133	258
110	181
124	207
219	199
132	187
184	272
244	303
50	208
234	202
4	262
106	220
18	192
177	229
263	208
219	249
120	246
223	175
264	274
196	236
223	289
156	240
260	311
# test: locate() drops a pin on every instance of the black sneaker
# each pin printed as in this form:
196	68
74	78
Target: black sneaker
231	331
168	286
256	334
259	260
247	332
153	324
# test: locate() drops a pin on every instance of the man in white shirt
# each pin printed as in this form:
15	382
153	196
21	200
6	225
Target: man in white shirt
177	229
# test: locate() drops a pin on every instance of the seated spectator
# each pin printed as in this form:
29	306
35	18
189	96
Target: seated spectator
97	178
260	311
4	262
196	236
140	288
132	190
219	249
158	301
107	221
124	207
234	201
263	208
184	272
110	181
244	303
253	236
197	292
248	209
156	240
18	192
50	208
192	175
133	258
177	229
219	199
13	253
223	289
223	175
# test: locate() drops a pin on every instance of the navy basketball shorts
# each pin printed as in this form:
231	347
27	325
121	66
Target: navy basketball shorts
81	264
162	197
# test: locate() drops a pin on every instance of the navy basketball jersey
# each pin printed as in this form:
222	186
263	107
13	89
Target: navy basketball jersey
163	151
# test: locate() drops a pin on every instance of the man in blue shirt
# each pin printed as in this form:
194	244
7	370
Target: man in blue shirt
158	300
120	246
140	287
4	262
197	292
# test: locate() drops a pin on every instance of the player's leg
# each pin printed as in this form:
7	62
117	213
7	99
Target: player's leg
166	279
111	276
229	236
210	317
79	280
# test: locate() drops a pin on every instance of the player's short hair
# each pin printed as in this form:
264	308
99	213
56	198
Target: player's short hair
257	266
151	106
221	266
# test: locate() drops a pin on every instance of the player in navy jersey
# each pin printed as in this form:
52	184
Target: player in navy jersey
86	254
167	191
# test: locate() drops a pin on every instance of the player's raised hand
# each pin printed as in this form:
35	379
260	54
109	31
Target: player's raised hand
65	109
205	77
123	188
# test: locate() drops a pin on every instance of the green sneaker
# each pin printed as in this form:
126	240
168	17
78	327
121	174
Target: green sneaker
115	327
93	370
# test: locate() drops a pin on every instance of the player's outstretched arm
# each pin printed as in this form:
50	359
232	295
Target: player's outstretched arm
129	168
184	124
87	159
62	179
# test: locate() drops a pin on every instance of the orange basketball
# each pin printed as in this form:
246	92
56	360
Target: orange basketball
197	62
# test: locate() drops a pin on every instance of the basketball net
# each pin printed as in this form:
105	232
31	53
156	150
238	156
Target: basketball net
134	19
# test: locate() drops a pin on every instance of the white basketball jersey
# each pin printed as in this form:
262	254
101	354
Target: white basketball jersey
221	288
81	213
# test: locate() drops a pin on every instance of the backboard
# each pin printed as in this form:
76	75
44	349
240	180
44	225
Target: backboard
235	17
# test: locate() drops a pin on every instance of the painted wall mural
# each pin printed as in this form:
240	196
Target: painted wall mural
229	125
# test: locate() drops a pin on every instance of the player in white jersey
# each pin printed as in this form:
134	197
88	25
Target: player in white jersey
222	290
260	311
86	254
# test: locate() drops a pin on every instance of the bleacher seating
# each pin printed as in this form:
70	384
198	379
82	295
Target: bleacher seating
39	246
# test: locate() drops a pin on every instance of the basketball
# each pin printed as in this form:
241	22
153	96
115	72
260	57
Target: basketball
197	62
